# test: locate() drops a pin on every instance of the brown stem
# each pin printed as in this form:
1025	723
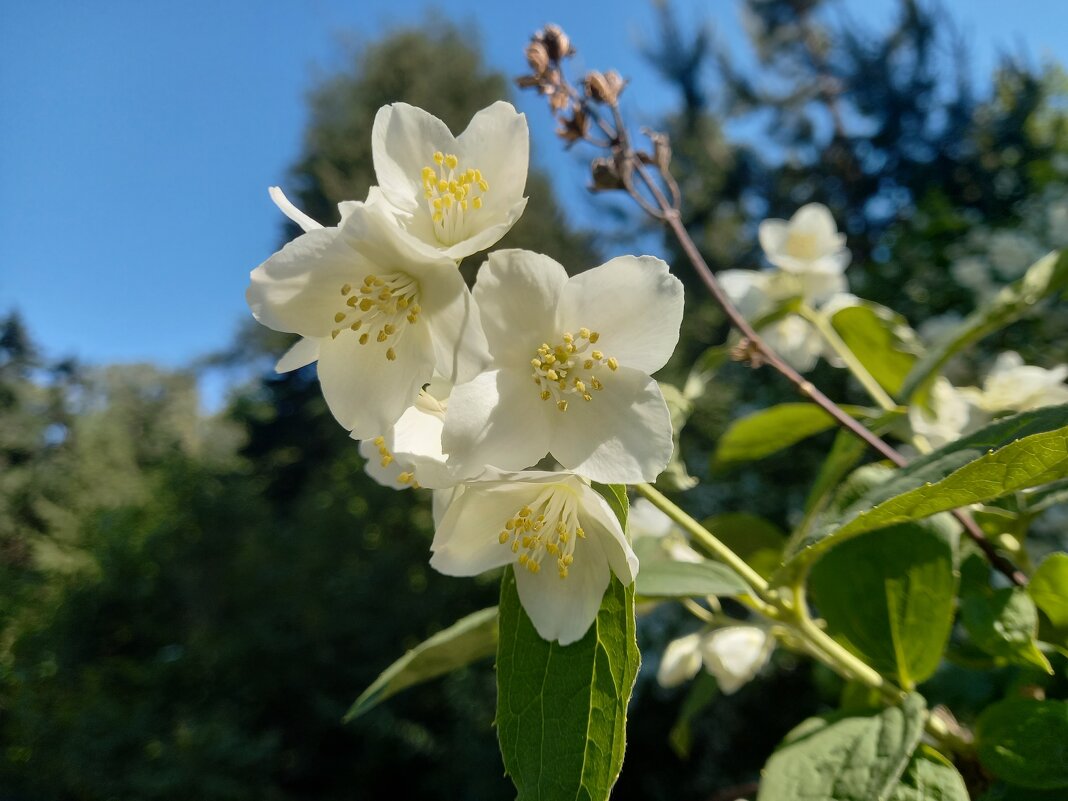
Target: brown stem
672	218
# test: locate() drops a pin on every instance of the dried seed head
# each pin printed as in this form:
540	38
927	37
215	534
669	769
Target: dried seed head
574	128
557	43
604	87
605	175
537	57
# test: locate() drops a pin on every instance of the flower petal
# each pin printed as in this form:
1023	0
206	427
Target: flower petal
601	522
296	289
563	609
466	541
304	351
634	303
748	290
496	419
680	662
305	222
367	392
497	142
460	350
622	436
517	293
487	237
795	340
403	141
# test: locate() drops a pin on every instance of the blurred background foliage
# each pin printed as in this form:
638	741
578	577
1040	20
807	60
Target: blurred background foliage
189	603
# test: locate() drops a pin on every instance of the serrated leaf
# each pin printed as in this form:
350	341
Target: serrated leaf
1049	588
764	432
1013	453
666	578
467	640
562	710
1003	623
1025	742
930	777
1047	277
845	757
888	596
882	341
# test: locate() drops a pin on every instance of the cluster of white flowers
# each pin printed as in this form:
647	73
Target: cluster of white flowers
733	654
463	392
1010	386
809	258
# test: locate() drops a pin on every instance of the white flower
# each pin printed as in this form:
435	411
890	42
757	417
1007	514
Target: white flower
1014	386
561	536
409	453
646	521
758	294
454	195
809	242
681	661
734	655
379	316
569	370
949	415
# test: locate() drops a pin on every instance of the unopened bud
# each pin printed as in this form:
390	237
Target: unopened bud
557	43
604	87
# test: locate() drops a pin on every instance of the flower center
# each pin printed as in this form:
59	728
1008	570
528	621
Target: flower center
803	246
451	195
570	368
550	526
382	307
386	458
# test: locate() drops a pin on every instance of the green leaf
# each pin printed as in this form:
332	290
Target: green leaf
1012	792
888	596
845	757
1046	277
758	541
1025	742
882	341
467	640
1049	588
616	496
666	578
1004	623
930	777
769	430
562	710
703	690
1013	453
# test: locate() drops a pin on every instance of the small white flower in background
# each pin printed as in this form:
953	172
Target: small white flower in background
1014	386
569	369
454	195
949	415
409	453
734	655
645	521
561	536
379	316
809	242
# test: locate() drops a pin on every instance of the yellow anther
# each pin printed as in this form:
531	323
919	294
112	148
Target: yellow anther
451	161
379	282
580	386
366	304
346	289
387	460
502	538
525	512
352	301
562	405
439	157
535	363
584	333
368	280
545	395
379	441
588	364
405	477
568	338
402	303
391	354
390	329
477	203
594	336
363	339
356	325
596	384
523	559
552	375
597	355
581	534
612	363
334	333
382	336
515	546
339	317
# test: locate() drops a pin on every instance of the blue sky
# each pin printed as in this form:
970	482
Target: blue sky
138	140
